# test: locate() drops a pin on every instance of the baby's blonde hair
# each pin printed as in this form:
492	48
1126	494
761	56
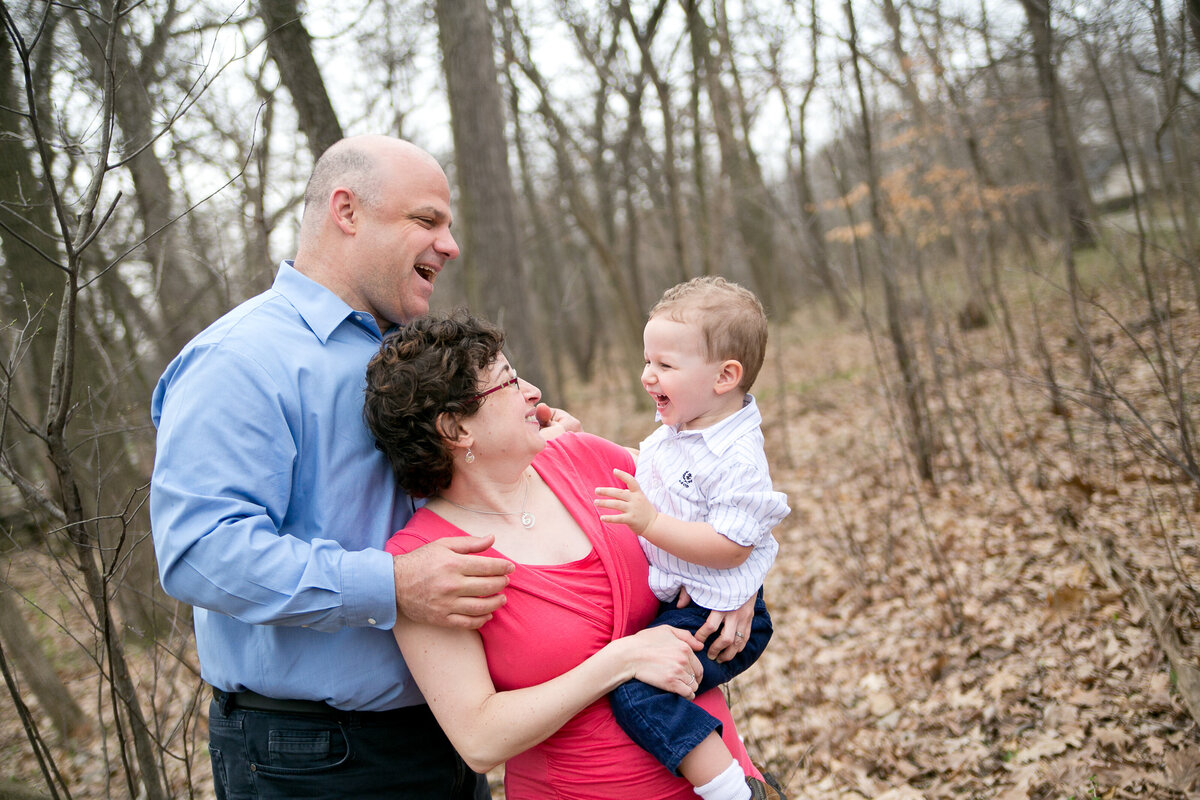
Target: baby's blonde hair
730	317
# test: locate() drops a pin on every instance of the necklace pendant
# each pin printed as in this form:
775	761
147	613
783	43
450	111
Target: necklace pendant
527	519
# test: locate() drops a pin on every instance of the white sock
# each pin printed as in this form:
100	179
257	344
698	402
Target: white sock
729	785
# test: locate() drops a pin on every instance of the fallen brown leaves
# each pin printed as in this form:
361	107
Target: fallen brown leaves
964	640
1003	634
956	641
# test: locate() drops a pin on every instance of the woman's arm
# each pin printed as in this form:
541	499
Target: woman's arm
488	727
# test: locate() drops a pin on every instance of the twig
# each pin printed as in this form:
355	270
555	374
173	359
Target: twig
1117	575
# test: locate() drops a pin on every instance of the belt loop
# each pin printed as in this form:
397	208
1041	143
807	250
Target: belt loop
224	701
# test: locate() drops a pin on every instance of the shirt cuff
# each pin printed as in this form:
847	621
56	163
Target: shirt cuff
368	589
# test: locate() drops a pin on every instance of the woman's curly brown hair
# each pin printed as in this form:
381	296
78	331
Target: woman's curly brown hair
421	382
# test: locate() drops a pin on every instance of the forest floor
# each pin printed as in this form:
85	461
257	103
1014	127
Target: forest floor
996	634
1000	632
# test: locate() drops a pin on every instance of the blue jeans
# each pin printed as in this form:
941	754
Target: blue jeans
669	726
398	755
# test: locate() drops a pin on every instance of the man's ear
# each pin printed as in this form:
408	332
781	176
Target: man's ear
729	377
343	210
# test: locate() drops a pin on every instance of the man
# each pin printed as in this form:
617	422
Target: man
270	504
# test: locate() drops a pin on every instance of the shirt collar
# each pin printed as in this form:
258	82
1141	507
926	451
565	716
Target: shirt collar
321	309
721	435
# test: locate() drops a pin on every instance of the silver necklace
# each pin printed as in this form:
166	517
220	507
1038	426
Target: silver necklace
527	518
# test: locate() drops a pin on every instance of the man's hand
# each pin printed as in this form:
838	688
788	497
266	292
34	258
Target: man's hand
730	623
555	421
631	504
443	583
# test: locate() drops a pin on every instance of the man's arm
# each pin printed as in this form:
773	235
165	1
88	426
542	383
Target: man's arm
221	490
442	583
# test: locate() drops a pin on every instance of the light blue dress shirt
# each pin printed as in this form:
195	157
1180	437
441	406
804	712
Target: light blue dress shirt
270	504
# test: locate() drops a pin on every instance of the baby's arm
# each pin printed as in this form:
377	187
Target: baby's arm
696	542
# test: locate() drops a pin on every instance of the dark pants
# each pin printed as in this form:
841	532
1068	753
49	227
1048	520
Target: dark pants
667	725
398	755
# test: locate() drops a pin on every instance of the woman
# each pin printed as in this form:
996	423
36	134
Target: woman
461	429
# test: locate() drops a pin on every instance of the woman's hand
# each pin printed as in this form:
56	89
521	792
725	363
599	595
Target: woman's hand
665	658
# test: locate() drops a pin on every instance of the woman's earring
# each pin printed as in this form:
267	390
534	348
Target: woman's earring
470	457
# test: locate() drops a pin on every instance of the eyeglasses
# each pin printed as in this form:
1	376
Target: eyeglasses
510	382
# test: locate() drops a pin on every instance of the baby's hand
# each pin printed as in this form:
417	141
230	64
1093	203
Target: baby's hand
555	421
632	506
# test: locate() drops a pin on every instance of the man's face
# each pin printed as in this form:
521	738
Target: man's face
404	241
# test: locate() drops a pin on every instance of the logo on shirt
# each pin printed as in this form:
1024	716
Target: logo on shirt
685	479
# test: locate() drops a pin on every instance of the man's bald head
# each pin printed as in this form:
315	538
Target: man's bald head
355	163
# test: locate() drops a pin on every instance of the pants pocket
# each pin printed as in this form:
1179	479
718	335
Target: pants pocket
303	749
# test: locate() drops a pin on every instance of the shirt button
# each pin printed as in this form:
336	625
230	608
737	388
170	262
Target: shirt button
370	620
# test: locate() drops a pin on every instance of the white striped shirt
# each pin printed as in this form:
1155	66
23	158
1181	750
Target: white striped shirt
717	475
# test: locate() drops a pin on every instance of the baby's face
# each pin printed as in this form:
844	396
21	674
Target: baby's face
678	374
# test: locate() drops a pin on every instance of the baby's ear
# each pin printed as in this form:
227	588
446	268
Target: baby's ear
730	376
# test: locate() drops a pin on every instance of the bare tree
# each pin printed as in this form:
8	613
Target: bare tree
1193	18
76	232
290	46
644	36
797	115
913	392
1071	186
750	198
586	213
496	277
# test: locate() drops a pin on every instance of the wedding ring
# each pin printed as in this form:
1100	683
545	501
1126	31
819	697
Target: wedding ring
739	635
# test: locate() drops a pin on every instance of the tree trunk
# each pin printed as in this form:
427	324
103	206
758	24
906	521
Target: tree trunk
1180	179
809	212
750	200
290	47
31	278
916	411
698	41
670	166
1069	181
26	653
77	226
175	295
496	280
1193	18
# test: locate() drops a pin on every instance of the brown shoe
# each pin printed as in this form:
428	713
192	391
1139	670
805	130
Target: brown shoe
763	791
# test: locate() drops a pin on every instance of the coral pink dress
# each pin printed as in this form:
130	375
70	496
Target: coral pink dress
558	615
